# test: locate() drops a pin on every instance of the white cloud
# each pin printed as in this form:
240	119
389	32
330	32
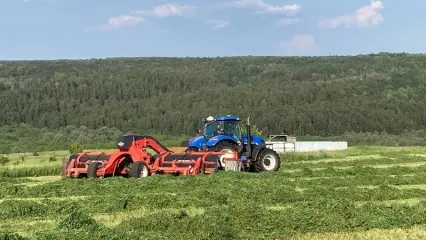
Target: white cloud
160	11
302	43
264	7
124	20
120	21
169	10
219	24
366	16
288	21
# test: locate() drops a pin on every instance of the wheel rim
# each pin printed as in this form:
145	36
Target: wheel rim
229	154
144	172
269	162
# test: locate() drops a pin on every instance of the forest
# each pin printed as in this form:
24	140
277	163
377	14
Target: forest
351	97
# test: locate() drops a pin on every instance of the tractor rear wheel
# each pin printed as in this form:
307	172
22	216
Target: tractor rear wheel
92	168
267	160
228	148
139	169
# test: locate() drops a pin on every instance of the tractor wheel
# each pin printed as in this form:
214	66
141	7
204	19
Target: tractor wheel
92	168
139	170
267	160
227	147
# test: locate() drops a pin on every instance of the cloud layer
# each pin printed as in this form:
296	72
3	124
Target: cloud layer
366	16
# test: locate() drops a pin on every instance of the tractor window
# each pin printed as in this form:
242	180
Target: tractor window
210	129
232	129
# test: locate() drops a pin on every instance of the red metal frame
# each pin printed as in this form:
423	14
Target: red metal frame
137	152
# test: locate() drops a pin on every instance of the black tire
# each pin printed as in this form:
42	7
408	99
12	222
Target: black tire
267	160
92	168
223	146
139	169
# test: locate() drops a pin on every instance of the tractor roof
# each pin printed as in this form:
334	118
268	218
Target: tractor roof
222	118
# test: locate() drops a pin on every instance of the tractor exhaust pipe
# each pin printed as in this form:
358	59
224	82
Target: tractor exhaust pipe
248	148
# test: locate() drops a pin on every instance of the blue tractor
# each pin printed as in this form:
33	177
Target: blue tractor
224	134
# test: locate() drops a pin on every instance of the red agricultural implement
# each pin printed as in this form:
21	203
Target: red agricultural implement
132	159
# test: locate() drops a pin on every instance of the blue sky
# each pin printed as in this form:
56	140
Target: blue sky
52	29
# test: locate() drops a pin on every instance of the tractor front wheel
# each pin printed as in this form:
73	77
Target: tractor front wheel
267	160
139	170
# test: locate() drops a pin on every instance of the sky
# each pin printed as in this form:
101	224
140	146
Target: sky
74	29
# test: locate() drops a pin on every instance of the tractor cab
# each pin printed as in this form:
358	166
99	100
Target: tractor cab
226	126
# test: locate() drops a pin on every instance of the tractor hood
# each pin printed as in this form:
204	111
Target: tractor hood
216	139
196	142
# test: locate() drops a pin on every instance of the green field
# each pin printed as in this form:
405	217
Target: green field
360	193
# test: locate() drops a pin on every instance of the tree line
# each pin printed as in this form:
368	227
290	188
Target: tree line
319	96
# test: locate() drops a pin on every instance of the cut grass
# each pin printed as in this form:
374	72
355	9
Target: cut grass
332	160
378	166
417	232
358	193
379	161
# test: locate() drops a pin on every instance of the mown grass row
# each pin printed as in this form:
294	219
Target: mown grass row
202	191
232	221
331	178
30	171
353	163
301	171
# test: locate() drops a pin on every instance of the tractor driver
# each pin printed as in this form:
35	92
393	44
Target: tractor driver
219	130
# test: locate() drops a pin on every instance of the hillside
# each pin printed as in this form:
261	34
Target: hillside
323	96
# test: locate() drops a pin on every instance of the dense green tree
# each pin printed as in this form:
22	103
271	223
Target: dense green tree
298	95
